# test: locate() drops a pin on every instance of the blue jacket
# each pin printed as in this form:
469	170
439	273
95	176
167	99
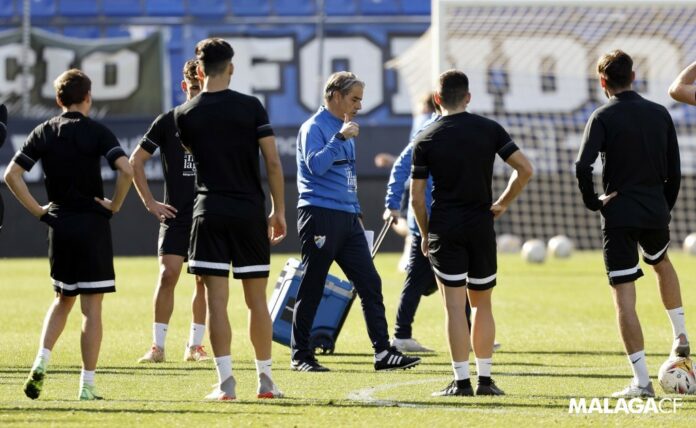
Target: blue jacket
326	174
400	174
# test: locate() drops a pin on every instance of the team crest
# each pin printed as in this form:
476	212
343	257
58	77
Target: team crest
319	240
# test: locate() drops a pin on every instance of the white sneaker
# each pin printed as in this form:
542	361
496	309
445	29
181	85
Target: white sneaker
224	391
635	391
267	388
409	345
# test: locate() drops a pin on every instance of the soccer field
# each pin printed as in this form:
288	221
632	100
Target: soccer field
555	322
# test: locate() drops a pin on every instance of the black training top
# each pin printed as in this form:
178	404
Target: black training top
177	165
70	147
459	151
3	123
222	131
640	154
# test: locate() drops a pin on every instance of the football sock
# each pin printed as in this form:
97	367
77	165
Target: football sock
264	366
640	368
159	334
86	378
676	316
43	354
483	366
223	365
461	369
196	334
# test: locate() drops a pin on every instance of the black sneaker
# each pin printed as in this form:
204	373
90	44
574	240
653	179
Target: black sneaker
307	365
453	389
396	360
491	389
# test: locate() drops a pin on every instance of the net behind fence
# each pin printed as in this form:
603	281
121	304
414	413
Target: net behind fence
531	68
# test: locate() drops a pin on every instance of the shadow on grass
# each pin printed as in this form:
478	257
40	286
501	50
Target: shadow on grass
571	353
75	409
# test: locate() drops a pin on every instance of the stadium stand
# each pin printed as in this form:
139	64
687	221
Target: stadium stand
164	7
78	7
122	7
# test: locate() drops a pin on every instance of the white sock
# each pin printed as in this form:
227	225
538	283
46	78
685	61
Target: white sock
676	316
87	378
264	366
196	334
640	368
224	367
483	366
159	334
381	355
43	354
461	370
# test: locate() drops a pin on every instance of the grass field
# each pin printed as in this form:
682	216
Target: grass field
555	321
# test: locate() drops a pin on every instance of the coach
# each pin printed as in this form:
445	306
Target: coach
329	224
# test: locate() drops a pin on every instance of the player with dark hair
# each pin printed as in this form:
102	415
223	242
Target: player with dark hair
224	131
175	215
70	147
641	178
458	152
330	226
684	86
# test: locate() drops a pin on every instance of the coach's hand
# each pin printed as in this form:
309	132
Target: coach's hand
606	198
498	209
394	214
349	129
160	211
277	229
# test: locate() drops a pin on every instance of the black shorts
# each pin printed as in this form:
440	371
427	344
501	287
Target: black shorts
217	240
80	253
621	251
174	239
465	257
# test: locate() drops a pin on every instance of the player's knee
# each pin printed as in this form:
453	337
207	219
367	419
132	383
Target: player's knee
168	276
663	266
65	302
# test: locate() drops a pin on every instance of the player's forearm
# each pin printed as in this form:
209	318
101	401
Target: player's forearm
276	185
140	181
419	210
683	88
18	187
518	181
586	186
123	183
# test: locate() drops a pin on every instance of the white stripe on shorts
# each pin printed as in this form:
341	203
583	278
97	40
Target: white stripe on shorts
623	272
209	265
658	254
448	277
255	268
485	280
84	284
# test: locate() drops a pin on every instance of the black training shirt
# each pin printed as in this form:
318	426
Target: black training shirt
70	147
177	165
222	131
640	154
459	151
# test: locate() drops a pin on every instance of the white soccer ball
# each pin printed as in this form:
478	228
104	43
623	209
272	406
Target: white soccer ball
677	376
560	246
509	243
690	244
534	251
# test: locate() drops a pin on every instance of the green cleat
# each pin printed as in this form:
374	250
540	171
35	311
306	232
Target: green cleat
89	392
34	384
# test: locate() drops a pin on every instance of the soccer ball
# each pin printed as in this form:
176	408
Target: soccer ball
534	251
690	244
560	246
509	243
677	376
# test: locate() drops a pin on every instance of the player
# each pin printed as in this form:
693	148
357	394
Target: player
70	147
684	86
631	131
3	135
224	131
330	227
458	151
176	215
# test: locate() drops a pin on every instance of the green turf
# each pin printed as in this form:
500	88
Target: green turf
555	321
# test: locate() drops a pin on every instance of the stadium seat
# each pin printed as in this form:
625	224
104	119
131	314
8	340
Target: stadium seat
207	7
340	7
7	8
122	7
41	7
78	8
164	7
117	31
294	7
380	7
82	32
251	7
415	7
